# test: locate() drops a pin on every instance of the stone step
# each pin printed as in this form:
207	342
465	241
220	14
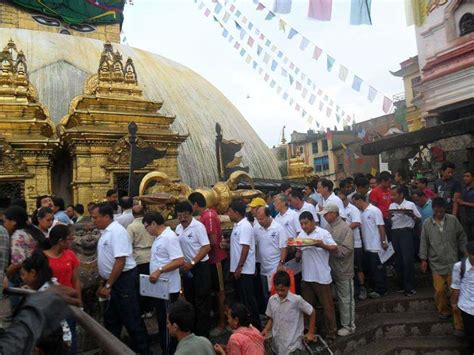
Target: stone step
381	326
415	346
394	302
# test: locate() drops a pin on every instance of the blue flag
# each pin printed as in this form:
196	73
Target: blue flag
356	83
360	12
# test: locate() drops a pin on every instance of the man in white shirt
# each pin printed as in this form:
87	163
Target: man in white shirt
286	217
374	239
126	218
166	259
325	188
141	245
296	200
196	270
118	269
462	293
242	259
271	240
353	219
404	214
316	273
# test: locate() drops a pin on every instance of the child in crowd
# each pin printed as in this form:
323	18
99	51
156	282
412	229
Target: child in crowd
286	312
65	266
37	275
245	340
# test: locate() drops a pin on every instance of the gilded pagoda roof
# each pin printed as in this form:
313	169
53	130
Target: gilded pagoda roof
59	67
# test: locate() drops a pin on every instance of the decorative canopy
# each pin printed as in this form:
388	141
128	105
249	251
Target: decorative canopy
76	12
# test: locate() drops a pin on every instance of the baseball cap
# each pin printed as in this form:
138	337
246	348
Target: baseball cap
330	207
257	202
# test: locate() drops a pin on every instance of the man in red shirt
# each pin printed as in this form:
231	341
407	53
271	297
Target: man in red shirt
381	197
211	221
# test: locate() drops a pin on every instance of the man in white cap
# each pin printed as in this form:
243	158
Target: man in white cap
342	266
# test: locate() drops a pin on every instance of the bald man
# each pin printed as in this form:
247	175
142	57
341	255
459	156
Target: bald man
141	243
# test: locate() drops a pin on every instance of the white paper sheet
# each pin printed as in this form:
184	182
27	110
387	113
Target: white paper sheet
160	289
384	255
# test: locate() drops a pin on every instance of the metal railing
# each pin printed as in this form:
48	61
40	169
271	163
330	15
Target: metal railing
108	342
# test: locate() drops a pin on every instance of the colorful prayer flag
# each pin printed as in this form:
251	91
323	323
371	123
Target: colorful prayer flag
207	12
330	62
372	94
356	83
244	20
274	65
266	77
312	99
328	112
274	48
360	12
320	9
298	85
282	6
292	33
250	41
304	93
317	52
280	54
387	104
226	17
236	45
242	52
260	6
225	33
266	58
238	13
232	8
321	105
259	50
269	16
285	96
304	43
282	25
218	8
343	72
242	34
272	84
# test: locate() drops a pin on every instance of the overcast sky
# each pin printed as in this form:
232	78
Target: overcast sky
176	29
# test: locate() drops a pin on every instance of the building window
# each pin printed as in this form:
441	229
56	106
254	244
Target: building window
415	81
314	147
321	164
325	145
466	24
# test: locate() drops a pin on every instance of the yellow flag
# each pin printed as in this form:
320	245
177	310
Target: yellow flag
373	171
343	146
282	25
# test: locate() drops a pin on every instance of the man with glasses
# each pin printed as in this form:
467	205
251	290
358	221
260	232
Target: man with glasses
165	260
196	271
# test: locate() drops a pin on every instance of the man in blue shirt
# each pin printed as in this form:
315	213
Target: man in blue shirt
423	204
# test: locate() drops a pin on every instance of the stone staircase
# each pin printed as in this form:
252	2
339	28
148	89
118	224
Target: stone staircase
396	324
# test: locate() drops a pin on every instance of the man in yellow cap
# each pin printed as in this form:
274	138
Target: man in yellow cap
253	206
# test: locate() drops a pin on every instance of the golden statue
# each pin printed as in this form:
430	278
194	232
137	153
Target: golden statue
157	189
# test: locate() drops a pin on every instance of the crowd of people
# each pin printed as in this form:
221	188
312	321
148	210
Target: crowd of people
352	231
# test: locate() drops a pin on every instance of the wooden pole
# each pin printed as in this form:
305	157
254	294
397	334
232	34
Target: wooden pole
108	342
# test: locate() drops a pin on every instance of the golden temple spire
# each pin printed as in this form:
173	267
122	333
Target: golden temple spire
114	78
